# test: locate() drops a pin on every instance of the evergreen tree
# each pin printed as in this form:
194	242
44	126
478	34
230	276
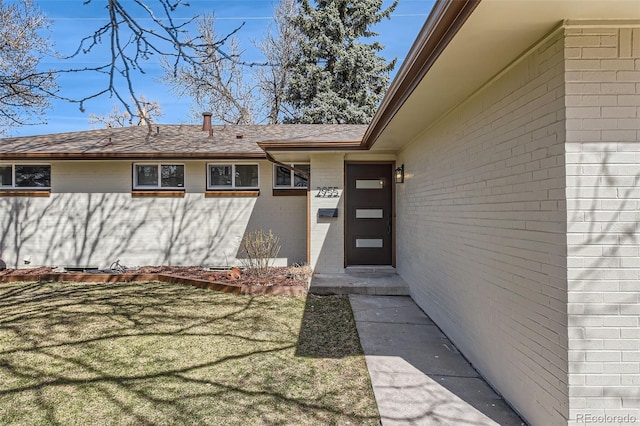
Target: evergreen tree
336	76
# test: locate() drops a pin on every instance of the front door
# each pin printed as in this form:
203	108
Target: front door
369	191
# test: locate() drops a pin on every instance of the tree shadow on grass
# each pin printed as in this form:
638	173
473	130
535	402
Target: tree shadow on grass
157	353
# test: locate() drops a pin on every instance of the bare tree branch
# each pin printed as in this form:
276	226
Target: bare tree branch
119	118
216	82
24	91
279	46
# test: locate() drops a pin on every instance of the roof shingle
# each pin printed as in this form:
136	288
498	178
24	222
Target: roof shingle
175	141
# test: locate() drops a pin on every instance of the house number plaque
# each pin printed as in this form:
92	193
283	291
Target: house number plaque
327	192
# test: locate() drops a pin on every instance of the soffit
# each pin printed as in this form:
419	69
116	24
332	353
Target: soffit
496	33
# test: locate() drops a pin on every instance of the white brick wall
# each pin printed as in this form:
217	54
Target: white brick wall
327	234
603	213
91	218
481	231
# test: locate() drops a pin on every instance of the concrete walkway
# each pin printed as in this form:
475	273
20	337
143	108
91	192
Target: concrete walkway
418	376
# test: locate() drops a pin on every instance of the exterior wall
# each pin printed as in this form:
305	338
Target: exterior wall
327	234
92	219
481	231
603	213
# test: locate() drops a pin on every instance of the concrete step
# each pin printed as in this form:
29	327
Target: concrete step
381	282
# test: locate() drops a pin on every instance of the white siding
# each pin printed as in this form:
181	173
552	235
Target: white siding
603	210
481	231
91	219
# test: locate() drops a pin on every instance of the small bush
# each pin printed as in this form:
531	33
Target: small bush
260	249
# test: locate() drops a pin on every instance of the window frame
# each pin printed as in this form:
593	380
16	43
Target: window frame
233	186
158	186
292	184
25	188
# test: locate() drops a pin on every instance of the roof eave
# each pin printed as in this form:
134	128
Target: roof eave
444	21
311	146
42	156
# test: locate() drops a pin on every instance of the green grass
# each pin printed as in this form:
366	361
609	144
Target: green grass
161	354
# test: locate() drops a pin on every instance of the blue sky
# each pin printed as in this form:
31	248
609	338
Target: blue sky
73	20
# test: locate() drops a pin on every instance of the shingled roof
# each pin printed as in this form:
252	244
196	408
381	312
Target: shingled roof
175	141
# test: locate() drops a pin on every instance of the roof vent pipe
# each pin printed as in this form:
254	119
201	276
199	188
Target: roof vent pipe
206	120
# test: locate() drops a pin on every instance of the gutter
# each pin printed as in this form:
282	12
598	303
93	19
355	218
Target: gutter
42	156
311	146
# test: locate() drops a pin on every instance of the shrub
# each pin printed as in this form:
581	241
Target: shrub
260	249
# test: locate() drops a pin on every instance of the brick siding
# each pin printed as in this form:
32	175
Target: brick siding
603	213
92	219
481	231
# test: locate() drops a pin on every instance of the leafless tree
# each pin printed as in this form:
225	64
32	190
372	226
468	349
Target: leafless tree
122	118
24	90
135	32
279	46
216	82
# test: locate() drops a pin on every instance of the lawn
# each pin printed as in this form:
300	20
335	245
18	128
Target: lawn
163	354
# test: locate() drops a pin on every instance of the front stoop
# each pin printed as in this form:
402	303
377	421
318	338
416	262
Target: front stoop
381	281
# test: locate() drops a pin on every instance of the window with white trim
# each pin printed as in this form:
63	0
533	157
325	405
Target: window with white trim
232	176
158	176
25	176
286	178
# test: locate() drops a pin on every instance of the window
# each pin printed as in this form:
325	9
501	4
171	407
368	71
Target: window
26	176
158	176
285	178
232	176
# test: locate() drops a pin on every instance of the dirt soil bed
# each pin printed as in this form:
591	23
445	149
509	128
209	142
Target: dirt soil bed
276	276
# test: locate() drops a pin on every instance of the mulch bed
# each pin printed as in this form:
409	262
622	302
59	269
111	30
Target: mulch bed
291	281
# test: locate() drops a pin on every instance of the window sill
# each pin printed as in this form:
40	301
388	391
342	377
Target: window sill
23	193
178	194
293	192
231	193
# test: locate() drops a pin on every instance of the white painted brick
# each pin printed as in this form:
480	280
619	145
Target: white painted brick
586	391
619	135
190	230
622	391
617	88
502	179
621	368
620	112
630	379
507	229
631	357
601	333
599	356
630	76
628	100
631	403
617	64
630	333
602	380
